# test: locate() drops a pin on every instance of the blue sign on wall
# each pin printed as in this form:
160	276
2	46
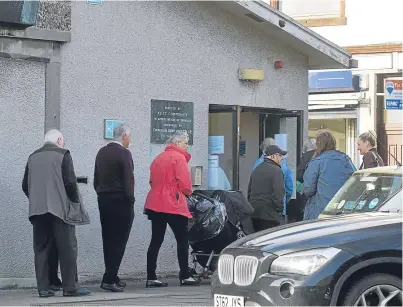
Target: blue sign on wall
393	94
109	125
333	81
394	104
98	2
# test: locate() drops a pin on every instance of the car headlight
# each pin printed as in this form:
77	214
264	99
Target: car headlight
303	263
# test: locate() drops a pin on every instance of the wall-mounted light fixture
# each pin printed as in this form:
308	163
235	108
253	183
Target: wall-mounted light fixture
248	74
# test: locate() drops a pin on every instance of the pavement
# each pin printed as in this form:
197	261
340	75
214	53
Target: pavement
135	295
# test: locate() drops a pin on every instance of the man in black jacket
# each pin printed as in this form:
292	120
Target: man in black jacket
114	184
266	190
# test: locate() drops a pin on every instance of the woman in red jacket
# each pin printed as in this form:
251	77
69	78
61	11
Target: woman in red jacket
166	205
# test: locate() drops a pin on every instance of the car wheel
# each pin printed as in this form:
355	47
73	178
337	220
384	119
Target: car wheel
375	290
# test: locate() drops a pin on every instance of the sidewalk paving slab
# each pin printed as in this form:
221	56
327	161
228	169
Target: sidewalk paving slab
135	295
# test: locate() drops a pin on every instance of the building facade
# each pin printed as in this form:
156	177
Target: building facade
365	29
82	67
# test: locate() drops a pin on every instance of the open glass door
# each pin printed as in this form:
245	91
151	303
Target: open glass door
242	129
289	122
285	126
223	147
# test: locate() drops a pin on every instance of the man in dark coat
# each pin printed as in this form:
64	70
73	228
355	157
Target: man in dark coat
50	184
266	190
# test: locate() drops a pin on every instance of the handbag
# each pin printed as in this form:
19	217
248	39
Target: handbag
76	214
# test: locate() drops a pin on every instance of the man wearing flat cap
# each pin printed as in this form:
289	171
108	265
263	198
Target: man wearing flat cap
266	190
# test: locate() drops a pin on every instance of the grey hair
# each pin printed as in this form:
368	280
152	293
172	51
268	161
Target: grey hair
266	143
52	136
309	145
177	137
119	131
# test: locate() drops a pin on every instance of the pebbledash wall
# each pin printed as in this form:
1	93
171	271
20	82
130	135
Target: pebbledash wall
122	55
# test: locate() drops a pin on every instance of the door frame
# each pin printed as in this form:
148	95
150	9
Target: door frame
236	121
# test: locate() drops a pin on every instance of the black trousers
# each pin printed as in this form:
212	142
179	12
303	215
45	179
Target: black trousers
260	225
178	224
116	214
54	266
50	232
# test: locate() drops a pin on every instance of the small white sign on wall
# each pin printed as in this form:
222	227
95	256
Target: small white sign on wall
281	141
216	144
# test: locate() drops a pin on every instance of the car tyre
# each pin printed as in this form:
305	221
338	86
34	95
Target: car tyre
376	282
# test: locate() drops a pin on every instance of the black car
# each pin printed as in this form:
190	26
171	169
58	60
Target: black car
352	260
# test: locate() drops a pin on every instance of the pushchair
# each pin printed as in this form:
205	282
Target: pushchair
217	221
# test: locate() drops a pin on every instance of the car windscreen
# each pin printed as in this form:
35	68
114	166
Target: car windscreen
364	192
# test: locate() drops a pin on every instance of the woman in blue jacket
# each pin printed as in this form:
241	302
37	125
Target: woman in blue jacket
326	173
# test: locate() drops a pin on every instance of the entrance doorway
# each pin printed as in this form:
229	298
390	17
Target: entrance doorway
242	129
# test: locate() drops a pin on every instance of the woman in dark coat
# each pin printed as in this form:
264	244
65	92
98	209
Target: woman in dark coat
307	153
296	211
367	147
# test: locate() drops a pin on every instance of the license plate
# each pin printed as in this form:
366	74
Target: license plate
228	301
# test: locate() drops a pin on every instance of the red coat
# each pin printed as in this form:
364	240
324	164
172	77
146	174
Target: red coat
170	181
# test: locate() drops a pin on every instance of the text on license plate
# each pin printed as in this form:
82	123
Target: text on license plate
228	301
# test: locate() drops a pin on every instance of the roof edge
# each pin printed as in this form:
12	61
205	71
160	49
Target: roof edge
302	27
299	31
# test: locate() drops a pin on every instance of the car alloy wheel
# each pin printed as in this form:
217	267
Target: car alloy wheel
377	289
380	295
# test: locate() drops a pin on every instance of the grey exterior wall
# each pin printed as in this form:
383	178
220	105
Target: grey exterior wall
54	15
122	55
184	51
22	111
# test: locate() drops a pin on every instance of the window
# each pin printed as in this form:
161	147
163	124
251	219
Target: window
366	192
314	13
394	204
336	126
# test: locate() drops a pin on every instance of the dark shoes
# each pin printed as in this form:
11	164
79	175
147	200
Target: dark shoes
46	293
55	284
156	284
78	292
55	288
117	287
160	284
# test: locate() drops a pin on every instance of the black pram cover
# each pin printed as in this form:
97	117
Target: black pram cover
238	207
208	218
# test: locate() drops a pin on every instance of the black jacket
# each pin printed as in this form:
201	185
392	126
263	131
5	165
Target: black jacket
306	157
371	159
266	191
